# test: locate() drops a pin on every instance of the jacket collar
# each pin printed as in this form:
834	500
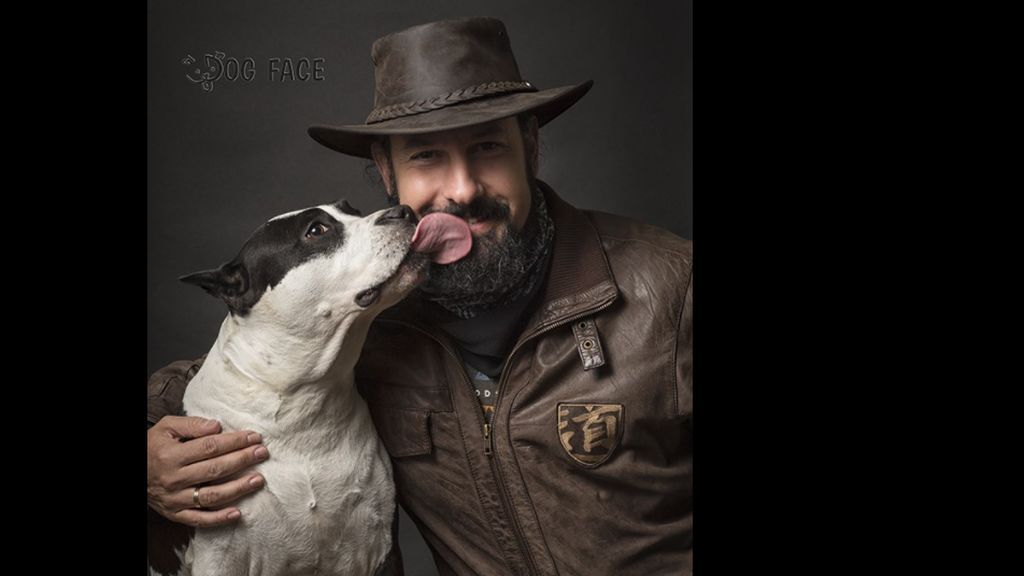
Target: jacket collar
579	277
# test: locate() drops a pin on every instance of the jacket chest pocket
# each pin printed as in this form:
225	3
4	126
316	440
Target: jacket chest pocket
401	415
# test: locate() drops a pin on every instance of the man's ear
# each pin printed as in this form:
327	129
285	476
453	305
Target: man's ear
380	158
229	282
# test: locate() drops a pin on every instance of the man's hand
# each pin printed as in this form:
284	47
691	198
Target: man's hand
187	452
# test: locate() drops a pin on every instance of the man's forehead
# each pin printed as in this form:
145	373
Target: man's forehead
492	129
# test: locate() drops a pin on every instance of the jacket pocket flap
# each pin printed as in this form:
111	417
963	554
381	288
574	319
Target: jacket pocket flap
404	432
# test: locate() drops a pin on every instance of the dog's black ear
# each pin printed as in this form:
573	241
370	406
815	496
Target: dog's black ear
347	208
229	282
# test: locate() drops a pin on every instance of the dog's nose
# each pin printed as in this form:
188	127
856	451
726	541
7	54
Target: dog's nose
400	212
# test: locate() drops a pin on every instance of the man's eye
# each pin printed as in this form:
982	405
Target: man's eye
486	147
316	229
425	155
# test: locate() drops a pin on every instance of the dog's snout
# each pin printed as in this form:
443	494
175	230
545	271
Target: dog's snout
400	212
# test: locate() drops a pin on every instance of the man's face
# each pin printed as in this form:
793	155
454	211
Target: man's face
481	168
479	174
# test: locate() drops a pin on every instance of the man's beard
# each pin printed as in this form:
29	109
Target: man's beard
503	264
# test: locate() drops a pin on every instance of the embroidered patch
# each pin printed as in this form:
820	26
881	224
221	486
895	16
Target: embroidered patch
590	432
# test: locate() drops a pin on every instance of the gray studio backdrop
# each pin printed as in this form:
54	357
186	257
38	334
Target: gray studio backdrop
227	153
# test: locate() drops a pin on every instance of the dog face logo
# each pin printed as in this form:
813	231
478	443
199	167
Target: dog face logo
205	74
590	432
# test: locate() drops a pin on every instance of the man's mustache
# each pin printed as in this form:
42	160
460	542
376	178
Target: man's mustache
481	208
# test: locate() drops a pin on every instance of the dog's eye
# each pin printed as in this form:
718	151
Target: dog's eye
316	229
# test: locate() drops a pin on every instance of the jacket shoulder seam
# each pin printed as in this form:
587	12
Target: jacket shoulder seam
657	247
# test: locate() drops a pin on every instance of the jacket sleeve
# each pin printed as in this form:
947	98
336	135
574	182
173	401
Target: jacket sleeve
684	404
166	539
684	353
167	388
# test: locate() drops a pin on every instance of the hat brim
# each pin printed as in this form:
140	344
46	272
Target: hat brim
355	140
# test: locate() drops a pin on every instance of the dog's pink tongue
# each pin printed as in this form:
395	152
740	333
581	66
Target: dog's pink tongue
445	237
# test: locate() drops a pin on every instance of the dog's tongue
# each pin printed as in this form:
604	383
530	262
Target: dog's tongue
445	237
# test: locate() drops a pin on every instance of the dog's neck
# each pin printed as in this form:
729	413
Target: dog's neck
269	356
284	387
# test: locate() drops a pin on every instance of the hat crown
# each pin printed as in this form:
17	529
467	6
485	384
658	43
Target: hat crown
438	59
442	76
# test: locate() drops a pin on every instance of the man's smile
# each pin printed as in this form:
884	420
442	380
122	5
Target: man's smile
480	226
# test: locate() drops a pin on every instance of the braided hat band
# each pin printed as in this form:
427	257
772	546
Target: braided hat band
456	97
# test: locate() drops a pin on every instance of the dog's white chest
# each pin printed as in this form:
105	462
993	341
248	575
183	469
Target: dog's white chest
316	517
326	508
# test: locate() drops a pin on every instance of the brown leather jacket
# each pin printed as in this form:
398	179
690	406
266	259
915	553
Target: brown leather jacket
587	469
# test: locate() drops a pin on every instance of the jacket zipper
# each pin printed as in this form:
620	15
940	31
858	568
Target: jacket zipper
488	429
488	448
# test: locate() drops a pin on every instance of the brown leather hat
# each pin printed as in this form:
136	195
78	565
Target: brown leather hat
444	75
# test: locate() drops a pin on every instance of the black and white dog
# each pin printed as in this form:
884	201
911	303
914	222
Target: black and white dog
302	294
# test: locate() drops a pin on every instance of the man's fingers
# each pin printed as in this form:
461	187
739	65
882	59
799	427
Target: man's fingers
214	469
188	426
219	495
207	447
207	518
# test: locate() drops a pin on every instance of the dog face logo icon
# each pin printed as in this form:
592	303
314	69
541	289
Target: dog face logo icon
205	74
590	432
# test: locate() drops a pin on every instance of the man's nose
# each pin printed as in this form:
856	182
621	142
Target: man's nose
395	214
462	187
